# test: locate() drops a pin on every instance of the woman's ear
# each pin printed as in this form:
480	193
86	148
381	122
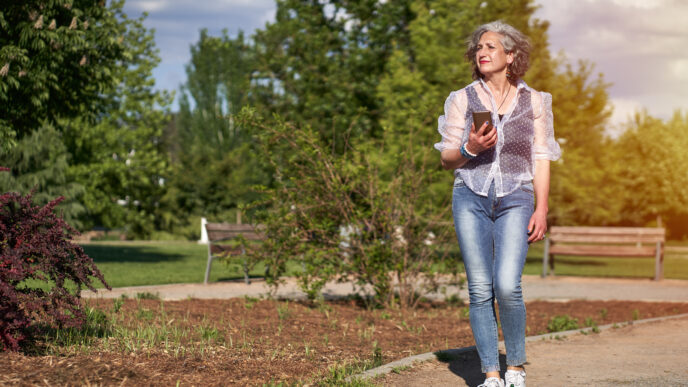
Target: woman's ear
510	58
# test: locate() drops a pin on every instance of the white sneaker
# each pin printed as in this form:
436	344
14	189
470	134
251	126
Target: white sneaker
492	382
515	378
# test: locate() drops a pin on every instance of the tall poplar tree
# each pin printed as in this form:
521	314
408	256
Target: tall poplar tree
214	161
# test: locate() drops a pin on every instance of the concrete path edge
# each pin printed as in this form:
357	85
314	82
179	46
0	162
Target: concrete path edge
450	353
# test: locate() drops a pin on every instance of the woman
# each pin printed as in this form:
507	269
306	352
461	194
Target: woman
497	171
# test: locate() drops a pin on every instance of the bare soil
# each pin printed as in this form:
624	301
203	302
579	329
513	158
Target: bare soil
252	342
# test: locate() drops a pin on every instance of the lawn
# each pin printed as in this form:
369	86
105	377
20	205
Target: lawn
153	263
675	265
156	263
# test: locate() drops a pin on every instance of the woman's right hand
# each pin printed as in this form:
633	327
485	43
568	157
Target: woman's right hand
482	139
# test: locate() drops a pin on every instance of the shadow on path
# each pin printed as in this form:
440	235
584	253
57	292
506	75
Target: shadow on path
467	366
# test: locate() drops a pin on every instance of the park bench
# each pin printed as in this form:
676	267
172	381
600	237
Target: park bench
224	232
606	242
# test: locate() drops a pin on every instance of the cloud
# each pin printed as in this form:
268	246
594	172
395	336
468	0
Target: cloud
624	109
637	44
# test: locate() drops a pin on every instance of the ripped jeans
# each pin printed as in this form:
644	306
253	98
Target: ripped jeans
493	238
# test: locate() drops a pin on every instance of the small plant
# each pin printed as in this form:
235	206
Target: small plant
208	333
400	369
603	313
562	323
636	314
144	314
283	311
465	312
589	322
148	296
249	302
454	300
117	305
377	355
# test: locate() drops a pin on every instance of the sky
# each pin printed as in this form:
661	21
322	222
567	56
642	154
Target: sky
641	46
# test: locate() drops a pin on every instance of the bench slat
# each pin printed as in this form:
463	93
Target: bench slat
594	238
224	249
228	227
609	230
215	236
612	251
224	231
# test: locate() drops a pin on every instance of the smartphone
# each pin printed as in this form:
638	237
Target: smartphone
480	117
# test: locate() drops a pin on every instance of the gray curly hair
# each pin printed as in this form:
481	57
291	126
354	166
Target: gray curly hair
513	41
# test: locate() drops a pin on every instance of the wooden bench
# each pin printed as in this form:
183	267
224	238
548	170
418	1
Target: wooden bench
223	232
606	242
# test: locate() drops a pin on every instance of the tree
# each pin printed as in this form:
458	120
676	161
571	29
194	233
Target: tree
120	157
320	61
214	160
40	163
55	61
584	177
651	163
420	76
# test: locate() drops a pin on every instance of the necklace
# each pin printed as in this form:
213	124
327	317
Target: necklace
504	100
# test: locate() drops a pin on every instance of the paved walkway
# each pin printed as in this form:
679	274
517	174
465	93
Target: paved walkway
652	353
534	288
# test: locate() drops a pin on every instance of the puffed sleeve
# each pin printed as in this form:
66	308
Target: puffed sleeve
451	124
545	146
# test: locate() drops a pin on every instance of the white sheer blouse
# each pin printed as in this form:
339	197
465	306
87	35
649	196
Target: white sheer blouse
525	134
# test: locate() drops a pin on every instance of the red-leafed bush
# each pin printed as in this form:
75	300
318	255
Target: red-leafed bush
36	248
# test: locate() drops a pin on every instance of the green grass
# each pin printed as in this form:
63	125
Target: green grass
675	265
156	263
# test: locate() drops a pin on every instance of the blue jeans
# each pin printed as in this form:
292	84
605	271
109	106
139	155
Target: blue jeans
493	238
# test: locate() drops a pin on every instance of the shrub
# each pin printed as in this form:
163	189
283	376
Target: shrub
38	266
348	216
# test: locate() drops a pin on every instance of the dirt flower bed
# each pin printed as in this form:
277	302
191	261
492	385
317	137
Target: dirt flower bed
255	342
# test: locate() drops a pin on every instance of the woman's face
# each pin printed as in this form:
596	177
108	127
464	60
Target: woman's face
490	56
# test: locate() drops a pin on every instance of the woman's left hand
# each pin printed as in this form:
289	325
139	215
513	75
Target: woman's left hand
537	227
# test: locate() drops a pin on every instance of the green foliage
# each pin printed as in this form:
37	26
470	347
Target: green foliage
79	95
562	323
319	64
214	163
586	173
342	219
56	58
120	158
39	163
651	161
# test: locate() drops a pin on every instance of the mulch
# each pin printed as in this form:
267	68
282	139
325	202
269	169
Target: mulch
252	342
